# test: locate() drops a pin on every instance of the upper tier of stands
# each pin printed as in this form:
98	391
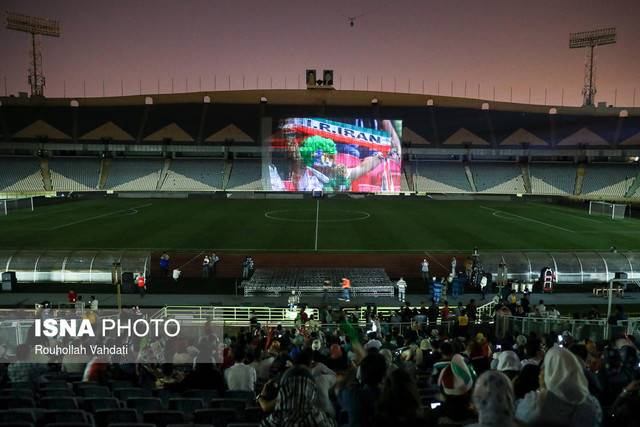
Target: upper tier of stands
601	181
499	178
74	174
194	175
441	177
133	175
552	178
609	180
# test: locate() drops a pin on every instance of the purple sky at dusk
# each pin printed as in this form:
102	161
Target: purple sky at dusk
506	43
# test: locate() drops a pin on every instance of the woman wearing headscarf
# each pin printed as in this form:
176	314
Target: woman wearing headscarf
399	403
295	404
493	399
563	396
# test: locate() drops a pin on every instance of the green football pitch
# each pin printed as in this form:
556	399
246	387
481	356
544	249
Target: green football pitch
350	225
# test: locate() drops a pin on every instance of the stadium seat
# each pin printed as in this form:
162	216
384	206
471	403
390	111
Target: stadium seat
16	416
104	417
143	404
131	425
16	392
22	385
16	402
205	395
240	394
94	391
219	417
18	424
54	385
65	416
186	405
190	425
236	404
60	403
94	404
243	425
253	414
126	393
56	392
163	418
69	425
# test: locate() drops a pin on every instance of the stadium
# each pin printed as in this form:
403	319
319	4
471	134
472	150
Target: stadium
321	252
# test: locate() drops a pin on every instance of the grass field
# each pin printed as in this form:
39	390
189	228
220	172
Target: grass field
355	225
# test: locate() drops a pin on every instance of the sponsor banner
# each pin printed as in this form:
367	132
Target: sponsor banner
80	335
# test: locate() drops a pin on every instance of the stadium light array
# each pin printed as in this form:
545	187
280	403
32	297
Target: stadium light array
34	26
589	40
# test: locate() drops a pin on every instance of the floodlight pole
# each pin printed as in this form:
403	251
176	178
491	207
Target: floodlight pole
589	40
34	26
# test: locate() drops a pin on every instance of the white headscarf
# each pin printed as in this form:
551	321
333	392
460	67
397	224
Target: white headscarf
564	376
493	398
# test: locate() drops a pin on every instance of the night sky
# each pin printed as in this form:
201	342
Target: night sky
501	43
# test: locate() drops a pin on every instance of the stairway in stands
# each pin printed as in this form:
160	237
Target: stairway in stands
228	166
526	178
163	174
46	174
467	171
580	173
634	187
104	173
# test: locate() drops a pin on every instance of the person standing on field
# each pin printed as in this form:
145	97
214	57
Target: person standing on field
141	284
206	264
424	272
402	287
213	260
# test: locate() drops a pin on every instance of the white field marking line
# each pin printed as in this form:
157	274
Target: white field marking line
435	259
191	260
99	216
272	215
568	213
41	214
526	219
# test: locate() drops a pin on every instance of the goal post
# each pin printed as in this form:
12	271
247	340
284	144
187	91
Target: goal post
610	210
7	206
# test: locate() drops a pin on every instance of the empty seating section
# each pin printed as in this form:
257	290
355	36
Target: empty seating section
134	175
500	178
20	174
552	178
245	175
74	174
194	175
123	405
608	180
441	177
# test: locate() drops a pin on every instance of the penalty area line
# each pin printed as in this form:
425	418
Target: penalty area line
133	208
494	211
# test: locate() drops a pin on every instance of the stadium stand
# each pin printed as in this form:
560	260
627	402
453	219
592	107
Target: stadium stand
552	178
194	175
502	178
74	174
441	177
20	174
608	180
245	175
134	175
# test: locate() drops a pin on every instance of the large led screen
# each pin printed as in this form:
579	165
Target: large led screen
341	155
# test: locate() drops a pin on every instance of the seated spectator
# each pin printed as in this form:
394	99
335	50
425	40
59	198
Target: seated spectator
295	404
493	399
509	364
455	382
240	376
563	397
358	396
526	381
399	404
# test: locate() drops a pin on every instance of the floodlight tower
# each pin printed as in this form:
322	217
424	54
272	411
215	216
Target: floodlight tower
34	26
589	40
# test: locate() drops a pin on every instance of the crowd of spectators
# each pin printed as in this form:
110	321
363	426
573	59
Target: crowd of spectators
387	374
